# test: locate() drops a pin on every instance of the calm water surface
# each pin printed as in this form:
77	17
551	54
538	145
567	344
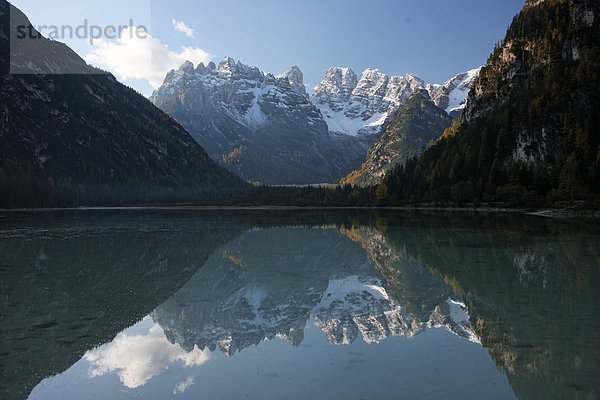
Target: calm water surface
298	305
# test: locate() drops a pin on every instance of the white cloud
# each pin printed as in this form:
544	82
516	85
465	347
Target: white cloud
182	386
140	358
183	28
133	57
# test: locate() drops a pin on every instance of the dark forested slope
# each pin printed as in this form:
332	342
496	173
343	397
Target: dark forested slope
530	132
81	137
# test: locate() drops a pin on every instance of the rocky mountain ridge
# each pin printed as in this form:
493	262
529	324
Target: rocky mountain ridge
355	107
261	126
267	128
243	93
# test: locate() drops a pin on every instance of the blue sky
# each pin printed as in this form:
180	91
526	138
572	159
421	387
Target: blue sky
433	39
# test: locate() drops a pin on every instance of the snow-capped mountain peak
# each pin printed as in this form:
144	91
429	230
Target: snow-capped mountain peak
229	69
452	95
243	92
295	77
337	81
372	83
360	107
175	76
187	66
414	81
227	66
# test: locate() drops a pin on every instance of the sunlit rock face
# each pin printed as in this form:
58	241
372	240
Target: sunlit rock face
271	283
360	107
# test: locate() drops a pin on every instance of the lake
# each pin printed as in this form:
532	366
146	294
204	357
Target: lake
298	304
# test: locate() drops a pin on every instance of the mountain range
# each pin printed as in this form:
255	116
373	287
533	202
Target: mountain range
362	106
269	129
263	128
236	300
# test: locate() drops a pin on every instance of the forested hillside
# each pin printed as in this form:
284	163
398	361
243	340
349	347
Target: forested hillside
529	135
85	139
409	130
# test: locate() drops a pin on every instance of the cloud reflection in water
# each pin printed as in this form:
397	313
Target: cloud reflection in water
139	358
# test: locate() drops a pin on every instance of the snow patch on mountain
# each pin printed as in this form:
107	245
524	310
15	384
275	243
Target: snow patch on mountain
242	92
452	95
338	122
358	107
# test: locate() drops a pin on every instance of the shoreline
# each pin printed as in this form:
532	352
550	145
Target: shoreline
545	213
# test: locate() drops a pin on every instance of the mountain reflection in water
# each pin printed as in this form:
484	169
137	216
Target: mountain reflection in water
268	283
227	291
